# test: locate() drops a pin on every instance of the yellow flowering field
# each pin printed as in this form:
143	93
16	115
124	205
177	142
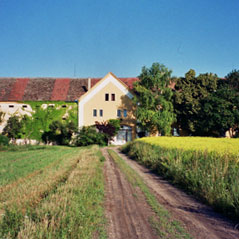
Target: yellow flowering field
221	146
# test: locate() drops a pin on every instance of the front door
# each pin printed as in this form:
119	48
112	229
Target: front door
124	135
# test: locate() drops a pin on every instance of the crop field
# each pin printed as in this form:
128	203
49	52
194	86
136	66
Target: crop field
222	146
51	192
205	167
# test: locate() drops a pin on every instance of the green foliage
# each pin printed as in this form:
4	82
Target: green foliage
220	112
109	128
4	140
188	97
88	136
116	124
153	100
59	133
13	128
210	176
42	117
233	79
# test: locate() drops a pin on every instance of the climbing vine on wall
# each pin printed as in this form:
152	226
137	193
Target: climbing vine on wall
44	113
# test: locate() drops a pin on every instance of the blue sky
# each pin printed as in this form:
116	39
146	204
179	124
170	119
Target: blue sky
80	38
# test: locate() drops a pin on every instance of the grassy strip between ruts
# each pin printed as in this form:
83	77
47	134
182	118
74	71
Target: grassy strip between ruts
163	223
73	209
208	175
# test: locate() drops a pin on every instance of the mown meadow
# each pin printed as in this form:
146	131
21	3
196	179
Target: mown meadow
51	192
205	167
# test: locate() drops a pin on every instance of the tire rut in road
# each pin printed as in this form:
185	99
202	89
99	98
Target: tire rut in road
126	209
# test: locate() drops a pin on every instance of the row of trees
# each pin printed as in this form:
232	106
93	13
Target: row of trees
203	105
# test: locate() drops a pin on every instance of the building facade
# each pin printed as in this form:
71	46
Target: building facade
82	100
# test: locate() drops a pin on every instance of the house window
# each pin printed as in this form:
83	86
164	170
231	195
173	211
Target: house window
119	113
112	97
63	106
125	113
11	106
107	97
94	112
24	106
101	113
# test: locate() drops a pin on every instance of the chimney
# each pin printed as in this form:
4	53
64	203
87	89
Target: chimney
89	83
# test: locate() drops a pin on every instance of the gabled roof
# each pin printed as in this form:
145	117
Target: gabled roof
48	89
110	78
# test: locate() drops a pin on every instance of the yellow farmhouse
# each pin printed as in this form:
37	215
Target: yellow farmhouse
110	98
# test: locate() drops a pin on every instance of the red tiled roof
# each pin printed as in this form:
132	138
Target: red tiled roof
77	88
48	89
6	86
39	89
18	89
129	81
60	89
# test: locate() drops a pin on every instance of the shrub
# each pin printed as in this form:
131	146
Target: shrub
13	128
4	141
89	135
110	128
59	133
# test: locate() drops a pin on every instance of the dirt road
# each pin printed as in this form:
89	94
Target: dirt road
199	220
126	214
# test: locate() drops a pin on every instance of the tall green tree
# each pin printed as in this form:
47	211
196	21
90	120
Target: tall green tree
221	108
220	112
153	100
13	128
190	91
233	79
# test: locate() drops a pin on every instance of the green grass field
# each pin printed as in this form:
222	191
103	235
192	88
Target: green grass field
51	192
20	163
205	167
